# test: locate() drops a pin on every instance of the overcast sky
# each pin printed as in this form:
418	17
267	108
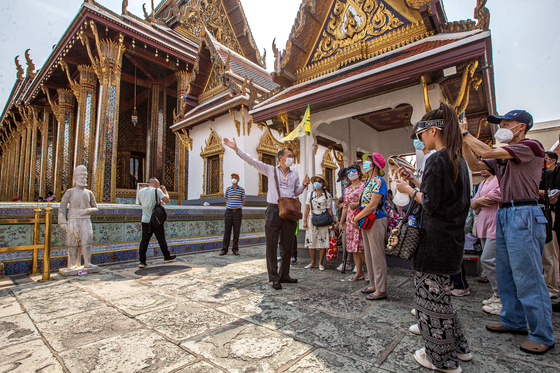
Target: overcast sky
526	41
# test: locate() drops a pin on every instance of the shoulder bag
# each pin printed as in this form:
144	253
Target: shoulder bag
159	215
288	208
404	240
320	220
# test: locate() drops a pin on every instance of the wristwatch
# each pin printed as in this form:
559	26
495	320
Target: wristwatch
466	133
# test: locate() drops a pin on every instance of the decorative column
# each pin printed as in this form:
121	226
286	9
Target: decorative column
21	159
181	152
157	125
47	154
27	163
36	154
85	92
107	67
64	114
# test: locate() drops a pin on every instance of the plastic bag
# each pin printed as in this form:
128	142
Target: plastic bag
332	251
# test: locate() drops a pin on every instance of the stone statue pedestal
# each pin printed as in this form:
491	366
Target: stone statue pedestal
80	271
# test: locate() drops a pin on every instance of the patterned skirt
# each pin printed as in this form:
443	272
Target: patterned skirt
438	321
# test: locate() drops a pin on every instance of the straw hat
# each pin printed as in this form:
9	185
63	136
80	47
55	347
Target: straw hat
321	177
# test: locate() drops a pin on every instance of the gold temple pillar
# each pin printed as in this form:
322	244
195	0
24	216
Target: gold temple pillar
157	132
26	163
64	114
181	153
107	67
20	160
36	155
47	154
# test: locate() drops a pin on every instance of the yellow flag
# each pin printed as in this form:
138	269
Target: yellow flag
304	128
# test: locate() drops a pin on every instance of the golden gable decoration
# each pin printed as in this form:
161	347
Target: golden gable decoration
213	148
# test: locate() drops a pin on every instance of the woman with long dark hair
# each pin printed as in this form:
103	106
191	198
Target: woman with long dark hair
444	195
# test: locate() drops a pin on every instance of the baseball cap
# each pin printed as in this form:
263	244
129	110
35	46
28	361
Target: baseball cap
518	115
341	174
235	175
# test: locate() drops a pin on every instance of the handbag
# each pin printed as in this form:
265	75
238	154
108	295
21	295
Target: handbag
546	208
404	240
288	208
159	215
320	220
332	251
366	222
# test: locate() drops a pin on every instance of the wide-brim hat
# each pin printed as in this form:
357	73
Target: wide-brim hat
341	174
377	160
319	176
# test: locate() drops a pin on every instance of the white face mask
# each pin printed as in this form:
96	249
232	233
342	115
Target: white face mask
289	162
505	135
234	181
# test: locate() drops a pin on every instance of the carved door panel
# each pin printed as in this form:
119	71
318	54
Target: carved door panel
213	175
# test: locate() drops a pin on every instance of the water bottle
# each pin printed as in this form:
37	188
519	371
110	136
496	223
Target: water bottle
412	221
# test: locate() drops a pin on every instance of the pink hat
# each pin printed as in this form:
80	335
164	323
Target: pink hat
378	160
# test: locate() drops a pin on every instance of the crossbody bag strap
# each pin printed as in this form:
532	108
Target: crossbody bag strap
546	200
157	197
410	208
276	178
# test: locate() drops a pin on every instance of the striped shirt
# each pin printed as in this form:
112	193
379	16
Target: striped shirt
234	197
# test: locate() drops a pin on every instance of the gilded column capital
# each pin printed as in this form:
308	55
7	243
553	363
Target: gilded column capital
75	86
65	99
88	79
54	107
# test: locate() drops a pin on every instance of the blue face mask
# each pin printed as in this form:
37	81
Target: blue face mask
418	144
317	185
345	183
367	166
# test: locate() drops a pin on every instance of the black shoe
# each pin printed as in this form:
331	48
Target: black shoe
235	252
223	252
276	285
142	265
289	280
556	307
170	258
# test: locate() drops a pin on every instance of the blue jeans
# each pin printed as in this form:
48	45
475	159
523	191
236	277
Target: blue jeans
520	236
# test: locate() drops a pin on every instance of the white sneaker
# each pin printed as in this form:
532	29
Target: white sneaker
321	268
422	359
348	267
464	357
493	308
413	312
414	329
495	299
310	266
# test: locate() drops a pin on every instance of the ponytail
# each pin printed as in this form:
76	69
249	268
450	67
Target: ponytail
451	134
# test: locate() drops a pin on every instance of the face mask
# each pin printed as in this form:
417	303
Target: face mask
345	183
353	176
505	135
418	144
234	181
317	185
367	166
289	162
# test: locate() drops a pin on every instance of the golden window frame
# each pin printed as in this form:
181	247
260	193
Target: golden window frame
328	162
266	146
213	147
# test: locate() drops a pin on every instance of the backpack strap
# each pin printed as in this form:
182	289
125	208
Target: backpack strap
157	197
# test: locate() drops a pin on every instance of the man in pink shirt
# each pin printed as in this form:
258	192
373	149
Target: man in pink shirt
485	204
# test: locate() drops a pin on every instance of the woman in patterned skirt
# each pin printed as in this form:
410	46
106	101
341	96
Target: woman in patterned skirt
319	201
354	239
444	195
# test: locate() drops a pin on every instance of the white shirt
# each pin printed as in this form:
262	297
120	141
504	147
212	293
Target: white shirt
147	198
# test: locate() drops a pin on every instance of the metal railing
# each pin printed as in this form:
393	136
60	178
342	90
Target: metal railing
46	246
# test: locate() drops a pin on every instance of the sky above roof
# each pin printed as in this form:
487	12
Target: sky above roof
526	41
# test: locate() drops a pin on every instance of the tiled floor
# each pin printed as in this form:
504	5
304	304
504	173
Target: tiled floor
210	313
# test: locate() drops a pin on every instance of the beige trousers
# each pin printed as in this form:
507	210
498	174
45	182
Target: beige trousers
374	251
550	265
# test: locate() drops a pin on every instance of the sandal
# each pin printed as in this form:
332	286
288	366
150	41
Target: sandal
356	278
534	347
311	265
367	291
499	328
377	297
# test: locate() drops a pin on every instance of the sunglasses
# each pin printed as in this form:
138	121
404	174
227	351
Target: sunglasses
419	134
351	170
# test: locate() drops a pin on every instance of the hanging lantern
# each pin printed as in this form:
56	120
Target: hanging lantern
134	117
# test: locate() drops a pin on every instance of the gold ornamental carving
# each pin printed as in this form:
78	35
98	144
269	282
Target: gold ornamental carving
213	147
353	22
468	80
185	139
424	80
328	163
75	86
241	125
339	156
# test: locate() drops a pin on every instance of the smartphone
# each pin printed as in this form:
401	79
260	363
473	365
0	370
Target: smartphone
461	116
553	192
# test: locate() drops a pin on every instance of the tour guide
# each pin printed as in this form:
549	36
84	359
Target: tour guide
290	187
520	228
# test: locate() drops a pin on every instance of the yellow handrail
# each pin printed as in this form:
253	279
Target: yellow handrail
46	246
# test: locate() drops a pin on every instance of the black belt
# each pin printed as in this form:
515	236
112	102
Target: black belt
273	204
233	209
518	203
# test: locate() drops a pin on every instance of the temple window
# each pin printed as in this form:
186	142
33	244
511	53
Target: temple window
267	154
213	155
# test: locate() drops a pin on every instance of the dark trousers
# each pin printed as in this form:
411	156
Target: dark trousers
147	232
294	248
233	220
285	229
459	280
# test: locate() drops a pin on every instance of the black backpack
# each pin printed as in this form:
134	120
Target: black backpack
159	215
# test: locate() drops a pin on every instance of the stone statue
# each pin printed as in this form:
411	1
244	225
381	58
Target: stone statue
79	233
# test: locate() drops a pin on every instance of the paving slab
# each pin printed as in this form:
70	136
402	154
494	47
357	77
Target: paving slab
9	306
136	303
288	292
349	306
325	361
176	284
139	351
243	347
352	338
46	290
185	320
64	305
33	356
200	367
16	329
77	330
115	288
265	311
215	296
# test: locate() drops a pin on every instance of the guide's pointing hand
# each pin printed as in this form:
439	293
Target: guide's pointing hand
231	143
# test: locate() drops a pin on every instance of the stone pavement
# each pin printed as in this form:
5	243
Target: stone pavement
210	313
